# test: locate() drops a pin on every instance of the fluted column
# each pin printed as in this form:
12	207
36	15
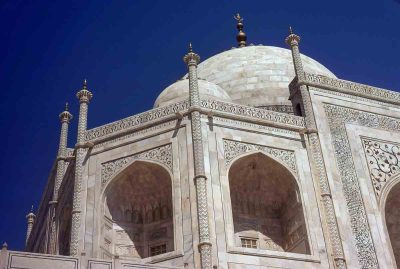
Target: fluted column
30	218
84	96
192	59
317	161
65	118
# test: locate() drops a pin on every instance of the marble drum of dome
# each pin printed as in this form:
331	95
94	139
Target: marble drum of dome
254	75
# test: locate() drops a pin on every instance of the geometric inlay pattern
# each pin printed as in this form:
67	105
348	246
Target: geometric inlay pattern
233	149
383	160
162	154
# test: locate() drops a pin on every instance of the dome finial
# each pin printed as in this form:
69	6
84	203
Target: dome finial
241	36
66	106
290	30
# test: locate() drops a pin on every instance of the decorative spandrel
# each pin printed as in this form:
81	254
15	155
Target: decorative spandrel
383	159
233	149
162	154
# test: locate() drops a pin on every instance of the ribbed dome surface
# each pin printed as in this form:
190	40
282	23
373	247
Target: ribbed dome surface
180	91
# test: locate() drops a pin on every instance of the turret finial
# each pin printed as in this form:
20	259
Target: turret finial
241	36
5	246
84	95
65	116
292	39
191	57
32	209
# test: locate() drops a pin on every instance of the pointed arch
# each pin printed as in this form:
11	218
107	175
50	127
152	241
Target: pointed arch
266	204
390	205
133	225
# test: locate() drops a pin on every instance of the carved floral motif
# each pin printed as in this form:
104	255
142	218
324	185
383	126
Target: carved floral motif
233	149
383	159
338	117
162	154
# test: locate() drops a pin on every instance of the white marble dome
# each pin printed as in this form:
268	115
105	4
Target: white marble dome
180	91
256	75
253	75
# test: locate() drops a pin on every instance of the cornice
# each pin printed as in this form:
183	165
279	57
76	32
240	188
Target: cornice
348	87
178	110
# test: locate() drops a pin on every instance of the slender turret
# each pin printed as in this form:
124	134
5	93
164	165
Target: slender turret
317	161
192	59
84	96
30	218
65	118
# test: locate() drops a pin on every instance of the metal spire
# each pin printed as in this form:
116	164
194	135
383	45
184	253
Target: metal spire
241	36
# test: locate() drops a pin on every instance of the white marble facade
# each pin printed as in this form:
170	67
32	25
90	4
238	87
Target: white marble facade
265	203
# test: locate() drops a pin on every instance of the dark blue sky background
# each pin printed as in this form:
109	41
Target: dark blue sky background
129	51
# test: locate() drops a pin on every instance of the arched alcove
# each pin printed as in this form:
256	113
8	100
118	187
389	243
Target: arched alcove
138	212
392	216
266	206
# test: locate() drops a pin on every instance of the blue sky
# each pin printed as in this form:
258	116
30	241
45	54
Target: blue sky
129	51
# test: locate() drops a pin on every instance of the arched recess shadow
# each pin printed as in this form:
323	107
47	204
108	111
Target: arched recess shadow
138	211
266	205
390	211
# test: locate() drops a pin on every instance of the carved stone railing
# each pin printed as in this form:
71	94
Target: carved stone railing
283	120
352	88
144	118
218	108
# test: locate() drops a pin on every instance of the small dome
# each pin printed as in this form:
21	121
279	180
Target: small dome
256	75
180	91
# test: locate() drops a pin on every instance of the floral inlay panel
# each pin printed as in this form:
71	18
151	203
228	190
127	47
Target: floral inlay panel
383	159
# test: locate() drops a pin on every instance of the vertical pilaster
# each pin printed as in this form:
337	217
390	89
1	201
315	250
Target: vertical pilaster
192	59
317	161
65	118
30	218
84	96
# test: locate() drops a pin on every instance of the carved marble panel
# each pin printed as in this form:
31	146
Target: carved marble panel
338	117
162	154
383	159
233	149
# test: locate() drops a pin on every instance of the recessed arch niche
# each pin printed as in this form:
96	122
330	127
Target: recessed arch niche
266	205
138	220
392	218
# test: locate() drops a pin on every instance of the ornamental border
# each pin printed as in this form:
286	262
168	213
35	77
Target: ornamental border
338	117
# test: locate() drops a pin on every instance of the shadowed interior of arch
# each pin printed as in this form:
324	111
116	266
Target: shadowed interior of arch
266	206
138	212
392	215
